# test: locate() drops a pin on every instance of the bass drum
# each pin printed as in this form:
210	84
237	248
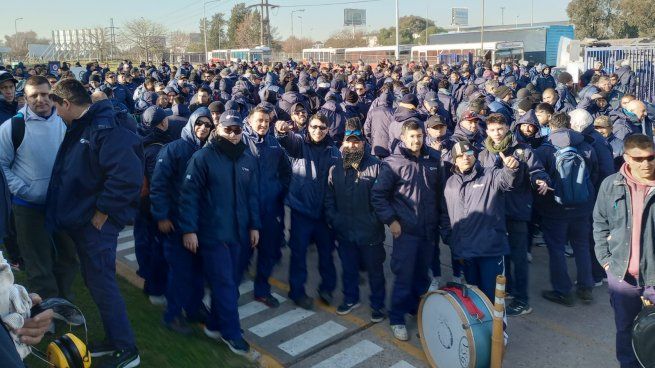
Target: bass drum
643	336
455	325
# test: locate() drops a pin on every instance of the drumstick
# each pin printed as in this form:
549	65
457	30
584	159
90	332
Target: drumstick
497	336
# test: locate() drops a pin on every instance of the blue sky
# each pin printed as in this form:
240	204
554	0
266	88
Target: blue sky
43	16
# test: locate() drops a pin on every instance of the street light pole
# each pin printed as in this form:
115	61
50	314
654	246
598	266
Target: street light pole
16	25
482	33
502	15
397	34
292	34
204	24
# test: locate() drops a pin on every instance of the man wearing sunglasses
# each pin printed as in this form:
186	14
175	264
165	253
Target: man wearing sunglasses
220	201
407	197
312	153
624	224
357	228
121	93
185	287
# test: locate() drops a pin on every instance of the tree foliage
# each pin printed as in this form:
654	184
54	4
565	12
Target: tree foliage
345	39
410	25
604	19
145	38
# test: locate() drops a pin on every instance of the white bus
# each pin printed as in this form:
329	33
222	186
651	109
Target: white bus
323	55
259	53
459	52
371	55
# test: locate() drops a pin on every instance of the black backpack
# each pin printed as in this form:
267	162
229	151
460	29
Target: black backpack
17	130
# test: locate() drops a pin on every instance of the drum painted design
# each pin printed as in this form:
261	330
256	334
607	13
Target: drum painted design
451	337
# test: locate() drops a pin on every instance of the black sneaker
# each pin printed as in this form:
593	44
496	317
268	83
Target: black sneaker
268	300
305	302
558	298
124	358
346	308
178	325
585	295
238	346
517	308
377	315
200	316
101	348
325	297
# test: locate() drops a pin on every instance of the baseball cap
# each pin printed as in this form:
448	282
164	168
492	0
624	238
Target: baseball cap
410	98
469	115
434	120
353	129
431	99
602	122
153	116
461	148
230	118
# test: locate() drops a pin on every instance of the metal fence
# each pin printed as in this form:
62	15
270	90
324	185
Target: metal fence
642	61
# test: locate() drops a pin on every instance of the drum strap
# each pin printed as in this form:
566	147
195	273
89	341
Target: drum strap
469	305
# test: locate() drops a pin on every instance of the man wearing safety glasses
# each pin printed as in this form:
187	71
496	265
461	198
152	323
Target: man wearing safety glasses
624	224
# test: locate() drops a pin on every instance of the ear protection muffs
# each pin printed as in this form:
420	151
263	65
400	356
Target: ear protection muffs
68	351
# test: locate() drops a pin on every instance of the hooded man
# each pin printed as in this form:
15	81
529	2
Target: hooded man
407	110
185	282
501	105
518	203
544	80
147	240
220	201
8	103
526	130
356	226
378	120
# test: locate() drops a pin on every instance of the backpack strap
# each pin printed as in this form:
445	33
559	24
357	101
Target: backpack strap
17	130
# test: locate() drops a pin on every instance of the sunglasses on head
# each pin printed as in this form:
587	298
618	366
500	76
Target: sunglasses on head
205	123
642	159
466	153
354	132
232	129
320	127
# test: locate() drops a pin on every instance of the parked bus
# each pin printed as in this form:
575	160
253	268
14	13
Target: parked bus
259	53
459	52
323	55
371	55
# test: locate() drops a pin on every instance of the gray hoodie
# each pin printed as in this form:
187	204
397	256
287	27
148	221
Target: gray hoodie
28	171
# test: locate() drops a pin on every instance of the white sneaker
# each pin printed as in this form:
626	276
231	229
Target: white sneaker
568	250
400	332
529	257
458	280
212	334
434	285
158	300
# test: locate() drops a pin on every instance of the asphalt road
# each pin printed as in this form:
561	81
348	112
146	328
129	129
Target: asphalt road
552	336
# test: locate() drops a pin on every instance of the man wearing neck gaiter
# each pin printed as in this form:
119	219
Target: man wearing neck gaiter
624	227
220	200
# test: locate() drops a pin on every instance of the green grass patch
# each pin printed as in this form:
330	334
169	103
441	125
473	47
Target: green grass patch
158	346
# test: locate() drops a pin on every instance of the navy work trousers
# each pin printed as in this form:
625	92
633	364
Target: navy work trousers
303	231
372	257
185	279
97	252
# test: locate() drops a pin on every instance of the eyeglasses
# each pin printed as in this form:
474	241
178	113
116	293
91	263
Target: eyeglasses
354	132
642	159
320	127
205	123
232	129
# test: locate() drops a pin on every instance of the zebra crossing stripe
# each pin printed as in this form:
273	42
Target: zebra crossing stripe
402	364
124	246
246	287
283	320
352	356
130	257
255	307
311	338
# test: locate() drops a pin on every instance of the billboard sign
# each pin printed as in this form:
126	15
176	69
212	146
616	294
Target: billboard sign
354	17
459	17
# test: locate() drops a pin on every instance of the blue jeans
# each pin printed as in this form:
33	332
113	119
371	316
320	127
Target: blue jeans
372	256
517	261
185	279
303	231
625	298
410	261
97	252
557	232
482	272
